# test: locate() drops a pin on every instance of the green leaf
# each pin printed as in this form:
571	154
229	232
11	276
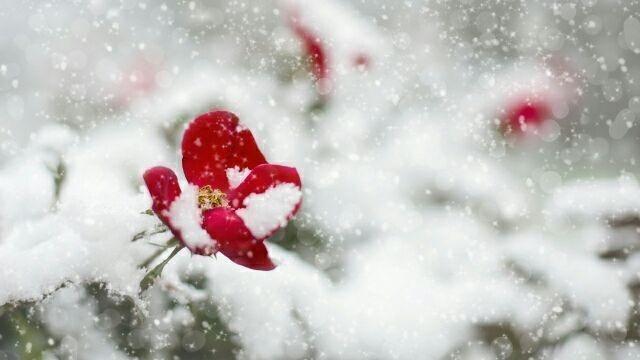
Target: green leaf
152	275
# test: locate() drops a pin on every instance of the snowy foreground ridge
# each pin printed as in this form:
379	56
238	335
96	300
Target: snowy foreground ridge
404	180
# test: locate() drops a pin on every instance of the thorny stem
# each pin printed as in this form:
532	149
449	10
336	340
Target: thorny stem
152	275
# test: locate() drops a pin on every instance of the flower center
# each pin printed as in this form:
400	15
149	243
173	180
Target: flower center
209	198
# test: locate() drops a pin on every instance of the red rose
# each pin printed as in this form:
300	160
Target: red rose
236	199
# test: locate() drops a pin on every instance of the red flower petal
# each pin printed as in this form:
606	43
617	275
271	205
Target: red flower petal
234	239
214	142
314	50
163	186
262	178
256	258
227	229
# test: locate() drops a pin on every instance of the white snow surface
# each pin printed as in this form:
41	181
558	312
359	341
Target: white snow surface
600	199
572	275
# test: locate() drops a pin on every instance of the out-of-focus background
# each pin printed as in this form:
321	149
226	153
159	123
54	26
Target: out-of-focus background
469	178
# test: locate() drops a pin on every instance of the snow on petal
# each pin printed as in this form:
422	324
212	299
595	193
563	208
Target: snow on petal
186	217
236	176
263	213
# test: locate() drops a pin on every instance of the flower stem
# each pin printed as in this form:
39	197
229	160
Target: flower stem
170	243
152	275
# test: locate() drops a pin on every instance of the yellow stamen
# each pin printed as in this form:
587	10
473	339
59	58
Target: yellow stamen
209	198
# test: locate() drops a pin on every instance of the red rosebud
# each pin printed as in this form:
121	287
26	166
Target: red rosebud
362	61
314	49
525	114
